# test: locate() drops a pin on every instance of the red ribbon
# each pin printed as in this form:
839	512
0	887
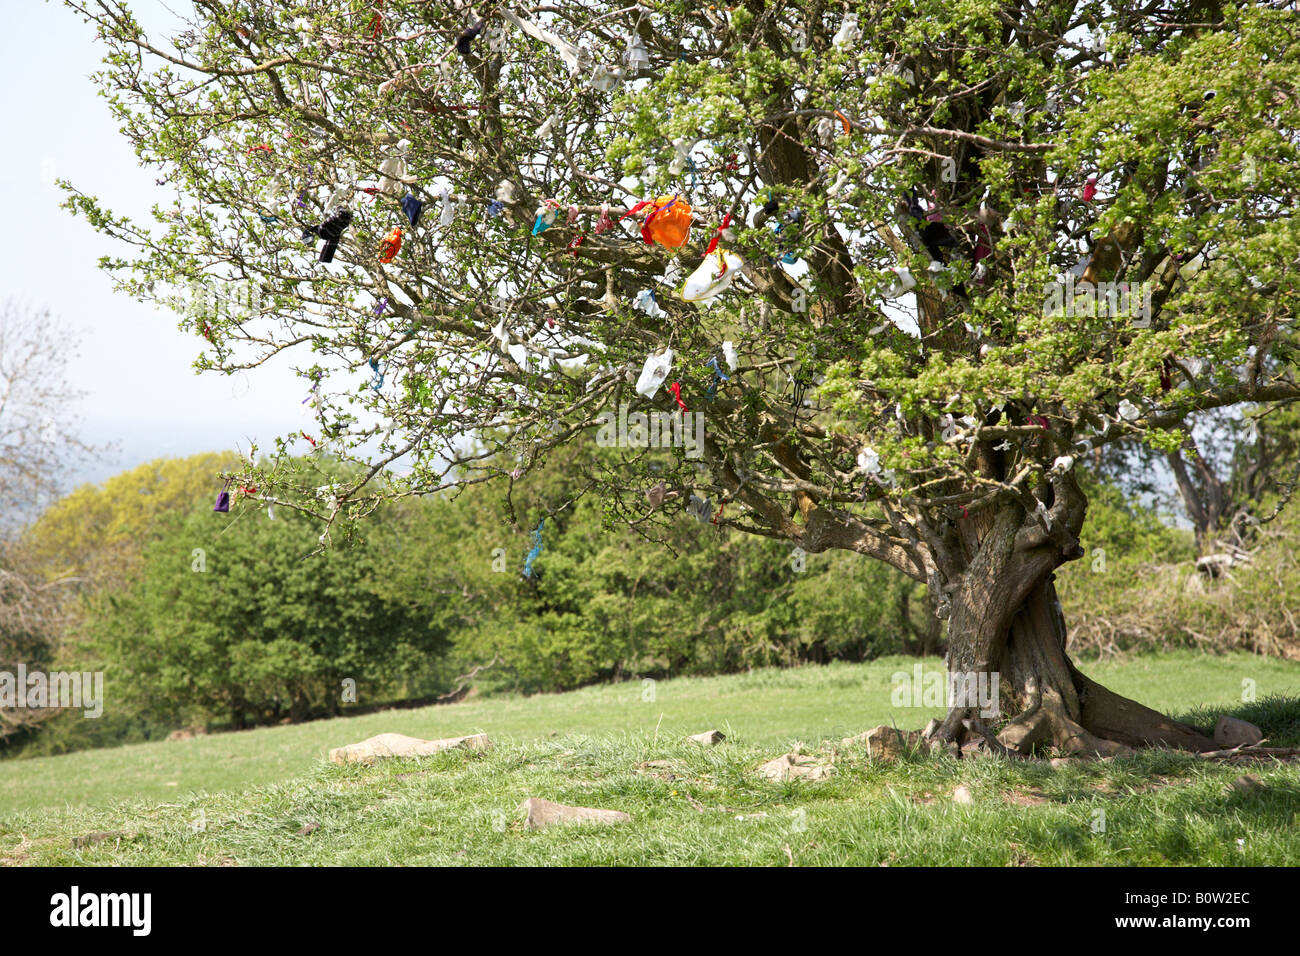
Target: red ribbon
722	505
645	226
577	241
309	438
713	243
676	389
254	149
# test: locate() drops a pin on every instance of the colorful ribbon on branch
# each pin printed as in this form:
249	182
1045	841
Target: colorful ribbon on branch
713	243
676	389
536	549
391	245
223	498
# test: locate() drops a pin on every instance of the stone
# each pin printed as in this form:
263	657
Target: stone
1232	732
794	767
400	745
962	795
187	733
709	738
949	748
544	813
1248	784
100	836
885	743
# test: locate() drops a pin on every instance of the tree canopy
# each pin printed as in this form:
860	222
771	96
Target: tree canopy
958	245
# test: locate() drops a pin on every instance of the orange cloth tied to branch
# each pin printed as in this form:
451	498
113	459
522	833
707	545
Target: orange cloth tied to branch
668	222
391	245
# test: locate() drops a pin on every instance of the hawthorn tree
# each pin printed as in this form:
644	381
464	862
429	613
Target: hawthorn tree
961	243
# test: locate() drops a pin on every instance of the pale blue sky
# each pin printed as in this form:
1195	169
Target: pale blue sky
132	361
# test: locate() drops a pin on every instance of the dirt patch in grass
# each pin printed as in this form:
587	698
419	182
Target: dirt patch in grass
1025	798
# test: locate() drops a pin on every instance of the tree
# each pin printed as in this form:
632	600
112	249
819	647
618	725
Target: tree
96	534
600	606
38	439
242	622
1231	475
1064	202
38	442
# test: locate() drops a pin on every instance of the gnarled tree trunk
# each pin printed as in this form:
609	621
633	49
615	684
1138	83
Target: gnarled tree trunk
1007	624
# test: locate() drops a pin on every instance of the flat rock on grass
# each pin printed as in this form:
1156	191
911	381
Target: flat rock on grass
708	738
544	813
1232	732
886	743
1248	784
400	745
794	767
100	836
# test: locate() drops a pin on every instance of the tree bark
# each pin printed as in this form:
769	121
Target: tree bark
1046	698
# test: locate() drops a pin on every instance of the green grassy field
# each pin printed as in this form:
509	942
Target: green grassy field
254	791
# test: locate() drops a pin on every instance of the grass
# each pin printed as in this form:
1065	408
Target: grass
707	807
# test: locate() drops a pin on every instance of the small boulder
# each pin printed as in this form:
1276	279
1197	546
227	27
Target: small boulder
1248	785
100	836
400	745
884	743
1232	732
187	733
544	813
794	767
962	795
709	738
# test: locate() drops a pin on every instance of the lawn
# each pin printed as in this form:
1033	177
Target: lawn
243	798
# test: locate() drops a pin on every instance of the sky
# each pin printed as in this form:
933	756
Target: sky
130	359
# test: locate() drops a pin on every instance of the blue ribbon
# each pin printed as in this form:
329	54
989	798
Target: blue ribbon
718	376
537	549
378	381
412	207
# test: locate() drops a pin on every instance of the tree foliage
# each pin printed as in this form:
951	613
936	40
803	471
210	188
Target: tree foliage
242	622
988	152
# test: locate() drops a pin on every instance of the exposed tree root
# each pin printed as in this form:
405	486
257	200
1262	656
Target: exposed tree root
1056	705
